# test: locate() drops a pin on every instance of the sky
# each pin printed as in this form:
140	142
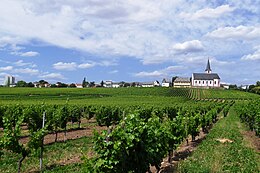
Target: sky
129	40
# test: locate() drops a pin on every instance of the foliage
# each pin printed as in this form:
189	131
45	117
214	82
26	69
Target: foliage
249	113
132	146
144	138
14	117
12	121
21	83
213	156
84	83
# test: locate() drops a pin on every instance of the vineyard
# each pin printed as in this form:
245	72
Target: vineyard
109	130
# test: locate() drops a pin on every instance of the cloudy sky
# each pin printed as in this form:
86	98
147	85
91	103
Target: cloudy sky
129	40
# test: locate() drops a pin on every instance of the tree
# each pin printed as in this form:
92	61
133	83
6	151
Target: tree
72	85
258	83
61	85
251	87
126	85
232	86
21	83
43	82
30	84
53	86
102	83
91	84
133	84
84	83
173	78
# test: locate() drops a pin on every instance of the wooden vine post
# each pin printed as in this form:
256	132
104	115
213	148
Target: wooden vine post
41	152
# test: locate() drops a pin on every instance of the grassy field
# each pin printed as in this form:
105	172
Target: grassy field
214	156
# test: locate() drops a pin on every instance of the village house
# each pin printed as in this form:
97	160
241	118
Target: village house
166	83
41	85
182	82
116	84
108	84
79	85
150	84
225	86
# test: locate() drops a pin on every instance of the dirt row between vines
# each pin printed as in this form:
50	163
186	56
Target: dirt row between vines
70	134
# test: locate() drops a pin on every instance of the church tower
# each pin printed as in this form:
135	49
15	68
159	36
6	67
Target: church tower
208	70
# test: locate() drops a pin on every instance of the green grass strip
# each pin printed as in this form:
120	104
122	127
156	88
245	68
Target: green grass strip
214	156
53	157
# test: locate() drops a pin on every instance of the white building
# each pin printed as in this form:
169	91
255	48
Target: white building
79	85
225	86
108	84
9	81
182	82
207	79
116	85
166	83
244	87
150	84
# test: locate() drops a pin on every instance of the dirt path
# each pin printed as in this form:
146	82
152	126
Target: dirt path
251	140
70	134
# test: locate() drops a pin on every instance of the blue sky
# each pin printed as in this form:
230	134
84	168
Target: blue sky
129	40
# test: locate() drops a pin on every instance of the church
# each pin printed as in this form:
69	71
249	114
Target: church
205	80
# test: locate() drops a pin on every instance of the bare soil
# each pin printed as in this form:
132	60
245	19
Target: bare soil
252	139
70	134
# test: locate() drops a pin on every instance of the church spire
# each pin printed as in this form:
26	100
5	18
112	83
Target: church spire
208	70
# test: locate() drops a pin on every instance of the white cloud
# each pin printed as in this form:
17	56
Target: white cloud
149	74
3	74
208	13
188	47
86	65
52	76
65	66
73	65
166	72
22	63
12	41
107	28
240	32
7	68
29	71
29	54
107	63
113	72
15	50
253	56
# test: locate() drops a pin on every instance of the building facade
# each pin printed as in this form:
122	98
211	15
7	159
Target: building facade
150	84
9	81
207	79
182	82
166	83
